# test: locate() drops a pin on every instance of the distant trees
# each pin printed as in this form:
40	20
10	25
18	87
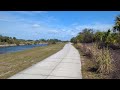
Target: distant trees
14	40
8	40
53	41
74	40
106	38
50	41
4	39
103	39
42	40
17	42
36	42
99	36
86	36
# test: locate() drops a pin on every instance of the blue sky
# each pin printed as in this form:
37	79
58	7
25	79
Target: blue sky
53	24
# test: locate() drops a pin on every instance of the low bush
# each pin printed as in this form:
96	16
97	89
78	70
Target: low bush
86	50
101	57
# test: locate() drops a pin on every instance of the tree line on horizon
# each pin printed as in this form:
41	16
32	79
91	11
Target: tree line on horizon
13	40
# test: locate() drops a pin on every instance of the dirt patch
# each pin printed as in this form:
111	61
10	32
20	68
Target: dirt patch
92	69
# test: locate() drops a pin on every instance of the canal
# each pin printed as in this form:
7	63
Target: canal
18	48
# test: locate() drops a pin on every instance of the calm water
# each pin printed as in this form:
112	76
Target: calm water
18	48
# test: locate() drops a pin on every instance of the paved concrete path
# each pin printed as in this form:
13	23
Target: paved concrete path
65	64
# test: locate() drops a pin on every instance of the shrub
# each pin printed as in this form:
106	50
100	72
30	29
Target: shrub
104	61
17	42
86	50
51	42
101	57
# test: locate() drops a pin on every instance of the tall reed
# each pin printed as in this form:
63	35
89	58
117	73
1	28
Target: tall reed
101	57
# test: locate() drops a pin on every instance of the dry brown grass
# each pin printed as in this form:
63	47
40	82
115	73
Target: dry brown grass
101	57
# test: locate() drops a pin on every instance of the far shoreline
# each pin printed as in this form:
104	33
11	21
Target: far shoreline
10	45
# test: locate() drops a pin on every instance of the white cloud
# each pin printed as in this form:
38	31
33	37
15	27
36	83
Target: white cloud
31	12
2	19
74	29
53	31
96	26
35	25
10	18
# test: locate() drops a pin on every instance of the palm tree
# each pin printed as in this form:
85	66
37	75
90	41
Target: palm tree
117	24
116	27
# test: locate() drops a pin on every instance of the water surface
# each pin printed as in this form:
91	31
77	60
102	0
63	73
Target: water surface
18	48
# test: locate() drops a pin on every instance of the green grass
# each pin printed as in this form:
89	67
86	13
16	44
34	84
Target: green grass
13	63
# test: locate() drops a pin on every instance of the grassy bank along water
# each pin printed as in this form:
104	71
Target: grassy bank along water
13	63
10	45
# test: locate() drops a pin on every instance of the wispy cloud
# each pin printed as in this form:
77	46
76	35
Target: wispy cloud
35	25
30	12
74	29
31	17
96	26
10	18
53	31
5	20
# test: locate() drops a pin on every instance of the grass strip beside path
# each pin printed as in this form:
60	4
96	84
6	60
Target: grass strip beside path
13	63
